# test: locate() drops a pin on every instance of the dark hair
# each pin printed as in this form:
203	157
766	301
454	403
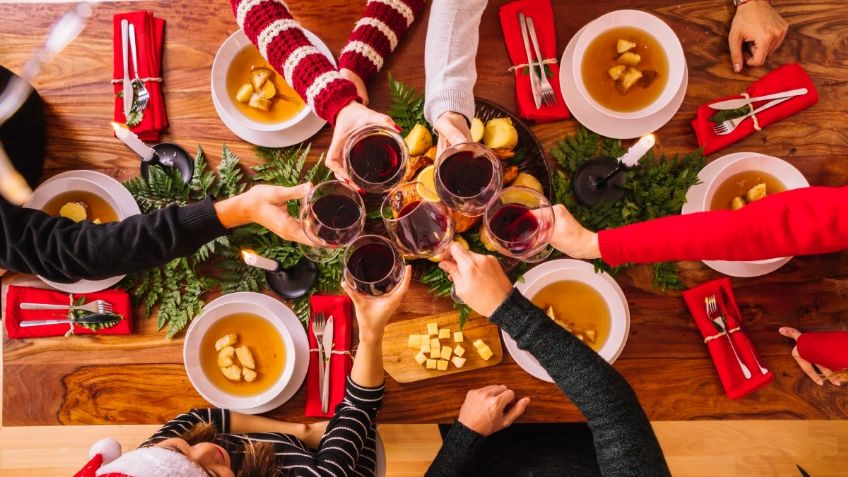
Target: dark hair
258	460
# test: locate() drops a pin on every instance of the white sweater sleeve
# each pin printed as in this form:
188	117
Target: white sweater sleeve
452	38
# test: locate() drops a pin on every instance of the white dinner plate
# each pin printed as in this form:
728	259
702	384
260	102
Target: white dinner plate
118	197
307	127
618	337
606	125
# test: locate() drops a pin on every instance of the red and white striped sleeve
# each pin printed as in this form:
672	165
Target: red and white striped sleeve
281	40
376	35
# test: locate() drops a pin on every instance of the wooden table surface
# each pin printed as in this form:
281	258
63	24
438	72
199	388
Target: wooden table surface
140	379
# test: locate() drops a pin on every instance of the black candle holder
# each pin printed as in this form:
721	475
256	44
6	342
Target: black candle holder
599	179
293	282
169	154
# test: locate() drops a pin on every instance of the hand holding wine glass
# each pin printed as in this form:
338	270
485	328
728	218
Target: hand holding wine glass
571	238
519	223
265	205
479	280
333	215
452	129
420	227
373	312
350	118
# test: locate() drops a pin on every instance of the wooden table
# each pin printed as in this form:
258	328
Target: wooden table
140	379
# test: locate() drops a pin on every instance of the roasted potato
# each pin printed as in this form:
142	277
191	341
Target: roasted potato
464	223
509	175
504	153
431	153
419	140
500	133
416	163
477	129
526	180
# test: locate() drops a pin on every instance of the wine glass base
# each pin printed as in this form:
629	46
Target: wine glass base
170	155
294	282
585	182
319	254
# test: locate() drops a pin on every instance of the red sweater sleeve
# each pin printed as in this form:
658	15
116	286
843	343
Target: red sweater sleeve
280	39
825	348
376	34
798	222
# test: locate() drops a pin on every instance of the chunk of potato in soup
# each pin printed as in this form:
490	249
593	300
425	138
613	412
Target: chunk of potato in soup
577	307
284	105
95	208
737	187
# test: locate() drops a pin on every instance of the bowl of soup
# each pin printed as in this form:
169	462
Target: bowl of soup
238	355
628	64
251	91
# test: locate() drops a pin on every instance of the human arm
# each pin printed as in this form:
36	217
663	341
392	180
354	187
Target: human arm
755	21
826	350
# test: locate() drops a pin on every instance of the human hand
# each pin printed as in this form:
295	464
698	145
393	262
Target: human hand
452	129
755	21
265	205
484	410
372	312
571	238
479	281
354	78
350	118
805	365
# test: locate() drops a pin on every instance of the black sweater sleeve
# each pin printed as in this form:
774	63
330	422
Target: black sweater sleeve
624	440
64	251
459	453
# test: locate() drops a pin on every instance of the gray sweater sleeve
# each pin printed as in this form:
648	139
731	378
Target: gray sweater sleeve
449	53
624	440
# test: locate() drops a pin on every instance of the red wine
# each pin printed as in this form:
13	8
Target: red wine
421	227
516	225
376	158
466	175
336	211
372	264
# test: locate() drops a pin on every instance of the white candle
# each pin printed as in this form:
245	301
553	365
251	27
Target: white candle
255	260
632	156
130	139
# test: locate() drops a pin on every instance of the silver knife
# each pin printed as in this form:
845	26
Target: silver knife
128	90
732	104
534	80
93	319
328	353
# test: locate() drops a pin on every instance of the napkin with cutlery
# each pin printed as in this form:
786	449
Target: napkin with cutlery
785	78
341	361
732	379
543	18
150	34
16	295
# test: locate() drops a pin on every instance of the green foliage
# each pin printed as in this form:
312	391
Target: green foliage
134	118
656	188
407	106
722	116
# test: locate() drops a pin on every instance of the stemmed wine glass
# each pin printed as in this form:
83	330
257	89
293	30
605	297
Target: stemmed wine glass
373	265
333	215
468	175
420	227
519	222
375	158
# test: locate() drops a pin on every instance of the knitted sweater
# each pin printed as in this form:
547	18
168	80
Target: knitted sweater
281	40
797	222
625	443
62	250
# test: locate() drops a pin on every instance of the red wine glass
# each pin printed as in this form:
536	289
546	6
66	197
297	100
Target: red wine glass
519	221
468	175
375	158
333	215
373	265
420	227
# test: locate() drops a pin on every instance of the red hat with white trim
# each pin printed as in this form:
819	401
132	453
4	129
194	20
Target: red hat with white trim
106	461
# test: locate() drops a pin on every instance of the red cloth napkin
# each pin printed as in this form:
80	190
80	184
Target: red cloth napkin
16	295
785	78
543	19
341	309
734	382
149	35
825	348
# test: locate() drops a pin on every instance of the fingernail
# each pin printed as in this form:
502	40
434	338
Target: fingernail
737	67
821	383
398	128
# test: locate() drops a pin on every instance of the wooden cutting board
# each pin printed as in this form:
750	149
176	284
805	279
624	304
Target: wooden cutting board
399	358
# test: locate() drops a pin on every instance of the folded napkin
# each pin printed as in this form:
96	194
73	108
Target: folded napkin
150	34
825	348
543	19
734	382
16	295
341	309
785	78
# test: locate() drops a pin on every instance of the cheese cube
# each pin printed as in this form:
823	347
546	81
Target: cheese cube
457	337
479	344
458	362
432	329
442	365
446	352
414	341
444	333
425	347
459	350
485	352
431	364
435	353
420	358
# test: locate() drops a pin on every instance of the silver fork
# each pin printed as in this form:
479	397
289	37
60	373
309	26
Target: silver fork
96	306
730	125
534	80
548	95
318	325
142	96
715	316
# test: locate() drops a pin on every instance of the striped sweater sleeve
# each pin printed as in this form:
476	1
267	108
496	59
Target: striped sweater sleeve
281	40
348	430
376	35
177	426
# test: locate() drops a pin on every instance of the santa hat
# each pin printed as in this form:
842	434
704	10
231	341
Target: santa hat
107	461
